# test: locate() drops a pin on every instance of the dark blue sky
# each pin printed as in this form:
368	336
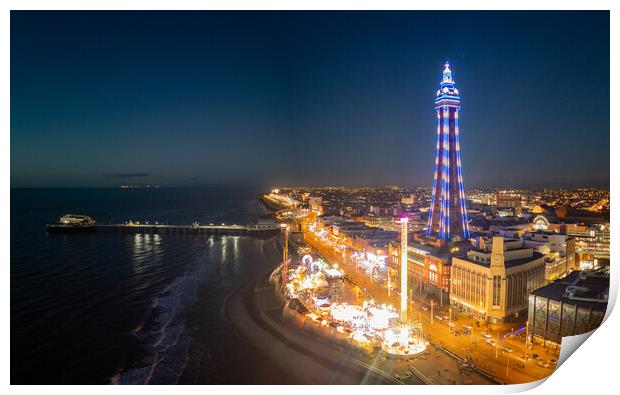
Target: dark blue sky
290	98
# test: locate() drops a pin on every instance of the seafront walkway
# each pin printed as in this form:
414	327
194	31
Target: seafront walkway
309	362
324	363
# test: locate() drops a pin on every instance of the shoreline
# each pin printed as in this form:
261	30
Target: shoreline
315	362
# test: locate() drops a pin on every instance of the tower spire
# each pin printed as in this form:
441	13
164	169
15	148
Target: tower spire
447	73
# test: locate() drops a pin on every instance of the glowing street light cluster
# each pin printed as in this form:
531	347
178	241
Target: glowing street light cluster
401	341
293	214
326	238
281	200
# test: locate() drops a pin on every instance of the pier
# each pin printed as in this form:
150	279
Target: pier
194	229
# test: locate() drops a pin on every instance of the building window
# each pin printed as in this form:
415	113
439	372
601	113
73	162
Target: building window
497	290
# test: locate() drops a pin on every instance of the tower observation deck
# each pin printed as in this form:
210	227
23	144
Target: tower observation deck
448	216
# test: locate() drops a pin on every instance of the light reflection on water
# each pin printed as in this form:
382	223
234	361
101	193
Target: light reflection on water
85	305
147	252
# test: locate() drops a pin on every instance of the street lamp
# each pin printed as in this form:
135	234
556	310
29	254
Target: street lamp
450	327
496	344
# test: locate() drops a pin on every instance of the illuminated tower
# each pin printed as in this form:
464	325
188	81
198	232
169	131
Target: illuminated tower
448	217
403	269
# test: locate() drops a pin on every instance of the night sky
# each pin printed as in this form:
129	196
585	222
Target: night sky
305	98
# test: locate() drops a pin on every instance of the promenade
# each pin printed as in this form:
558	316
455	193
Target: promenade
257	315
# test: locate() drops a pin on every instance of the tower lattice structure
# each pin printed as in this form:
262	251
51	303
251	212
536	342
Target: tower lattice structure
448	216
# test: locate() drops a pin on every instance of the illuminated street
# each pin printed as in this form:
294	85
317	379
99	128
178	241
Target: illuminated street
489	358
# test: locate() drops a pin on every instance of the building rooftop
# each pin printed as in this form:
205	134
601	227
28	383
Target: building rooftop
378	234
380	244
507	264
582	288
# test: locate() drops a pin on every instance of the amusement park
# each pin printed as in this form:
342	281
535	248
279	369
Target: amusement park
317	291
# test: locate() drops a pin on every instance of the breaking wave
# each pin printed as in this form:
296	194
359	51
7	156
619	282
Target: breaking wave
170	348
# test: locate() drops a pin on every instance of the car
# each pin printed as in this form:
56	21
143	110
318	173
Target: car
486	335
424	308
544	364
535	356
506	349
469	328
439	318
490	342
446	317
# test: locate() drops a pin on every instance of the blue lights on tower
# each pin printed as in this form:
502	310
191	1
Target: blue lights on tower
448	214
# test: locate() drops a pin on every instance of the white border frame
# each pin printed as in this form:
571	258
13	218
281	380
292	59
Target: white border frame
592	369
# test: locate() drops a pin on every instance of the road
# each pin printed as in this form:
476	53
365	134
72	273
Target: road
505	367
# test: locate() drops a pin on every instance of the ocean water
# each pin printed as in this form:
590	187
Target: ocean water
133	309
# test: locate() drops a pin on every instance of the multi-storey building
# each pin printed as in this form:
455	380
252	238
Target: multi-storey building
559	251
494	282
591	241
508	199
567	307
428	268
595	242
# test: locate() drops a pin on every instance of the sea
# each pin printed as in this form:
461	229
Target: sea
107	308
